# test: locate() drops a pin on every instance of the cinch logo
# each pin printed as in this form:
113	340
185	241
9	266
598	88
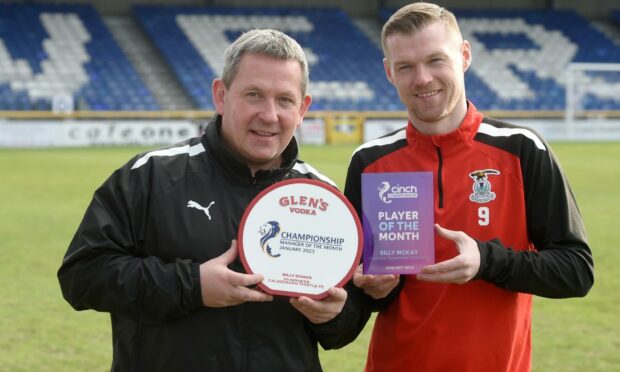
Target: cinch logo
388	192
301	204
269	231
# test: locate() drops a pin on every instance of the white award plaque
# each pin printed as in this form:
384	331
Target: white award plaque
303	236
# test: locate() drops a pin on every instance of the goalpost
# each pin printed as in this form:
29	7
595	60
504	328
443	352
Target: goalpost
592	94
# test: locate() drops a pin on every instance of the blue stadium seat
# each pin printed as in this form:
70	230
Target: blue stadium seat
47	50
615	17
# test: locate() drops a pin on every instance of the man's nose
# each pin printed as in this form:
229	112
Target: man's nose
422	75
269	111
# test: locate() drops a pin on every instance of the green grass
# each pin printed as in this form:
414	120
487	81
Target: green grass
43	194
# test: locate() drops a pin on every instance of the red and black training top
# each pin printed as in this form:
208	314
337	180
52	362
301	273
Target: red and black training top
502	185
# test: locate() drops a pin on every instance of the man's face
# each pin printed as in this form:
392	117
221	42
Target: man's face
261	109
427	68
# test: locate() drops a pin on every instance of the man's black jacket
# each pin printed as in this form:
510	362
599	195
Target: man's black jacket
137	253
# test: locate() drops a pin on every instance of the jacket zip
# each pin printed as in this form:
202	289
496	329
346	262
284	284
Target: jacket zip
439	177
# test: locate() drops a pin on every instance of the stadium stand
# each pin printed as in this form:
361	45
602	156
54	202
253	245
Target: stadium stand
346	69
53	50
520	57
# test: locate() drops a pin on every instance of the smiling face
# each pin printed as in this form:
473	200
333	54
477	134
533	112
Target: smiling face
261	109
427	69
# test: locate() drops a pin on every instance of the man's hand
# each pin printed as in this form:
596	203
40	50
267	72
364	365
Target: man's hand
459	269
221	286
323	310
376	286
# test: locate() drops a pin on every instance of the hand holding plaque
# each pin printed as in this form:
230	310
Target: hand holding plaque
303	236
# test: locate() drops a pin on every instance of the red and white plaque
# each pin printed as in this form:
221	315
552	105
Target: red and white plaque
303	236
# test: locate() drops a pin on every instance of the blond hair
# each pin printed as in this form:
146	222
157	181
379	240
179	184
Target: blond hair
414	17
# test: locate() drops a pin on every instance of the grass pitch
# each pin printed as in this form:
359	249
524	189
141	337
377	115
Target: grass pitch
43	194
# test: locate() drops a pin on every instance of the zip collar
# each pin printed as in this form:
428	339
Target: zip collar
449	142
236	170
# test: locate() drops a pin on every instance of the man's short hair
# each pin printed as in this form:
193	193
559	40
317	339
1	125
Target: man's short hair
413	17
270	43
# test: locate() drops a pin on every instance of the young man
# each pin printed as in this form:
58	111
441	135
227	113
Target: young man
156	246
507	223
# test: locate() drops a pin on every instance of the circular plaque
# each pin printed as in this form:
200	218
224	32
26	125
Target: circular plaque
303	236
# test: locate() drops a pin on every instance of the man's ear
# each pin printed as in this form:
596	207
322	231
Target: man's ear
218	91
388	71
466	53
305	105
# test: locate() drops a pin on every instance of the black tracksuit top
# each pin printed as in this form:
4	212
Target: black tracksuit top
137	251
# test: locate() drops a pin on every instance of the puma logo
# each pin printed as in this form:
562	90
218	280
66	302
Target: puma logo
193	204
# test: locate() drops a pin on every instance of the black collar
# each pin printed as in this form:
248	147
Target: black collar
236	170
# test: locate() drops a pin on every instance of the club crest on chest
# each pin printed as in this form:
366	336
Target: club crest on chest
482	185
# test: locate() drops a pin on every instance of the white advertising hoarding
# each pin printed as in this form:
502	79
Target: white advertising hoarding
375	128
311	132
73	133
